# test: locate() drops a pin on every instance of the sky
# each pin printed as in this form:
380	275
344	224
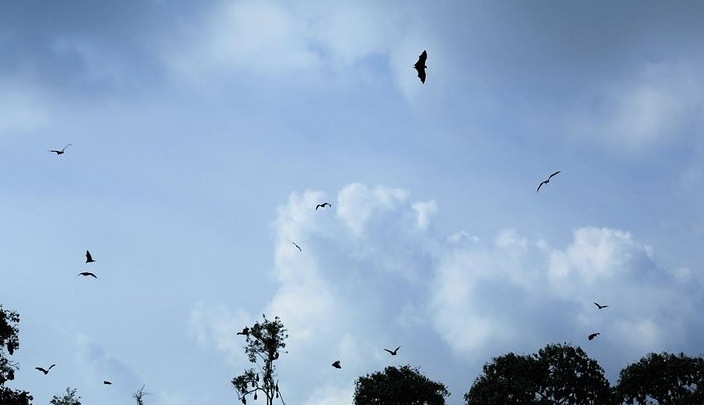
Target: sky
203	134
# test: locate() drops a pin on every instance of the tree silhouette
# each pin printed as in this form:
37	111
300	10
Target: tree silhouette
557	374
264	343
69	398
9	342
139	395
663	379
398	386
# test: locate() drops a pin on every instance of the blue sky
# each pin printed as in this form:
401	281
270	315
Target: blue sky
204	133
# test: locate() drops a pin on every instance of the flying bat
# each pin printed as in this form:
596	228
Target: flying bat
86	274
420	66
546	181
45	371
323	205
89	258
393	353
593	335
244	332
601	306
299	248
106	382
336	364
60	152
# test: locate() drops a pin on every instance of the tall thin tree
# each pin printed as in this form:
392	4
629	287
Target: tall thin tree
264	344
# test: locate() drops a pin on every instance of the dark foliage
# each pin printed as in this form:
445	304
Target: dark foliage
9	342
557	374
663	379
264	344
398	386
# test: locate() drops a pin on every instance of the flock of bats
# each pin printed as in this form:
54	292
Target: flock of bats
420	67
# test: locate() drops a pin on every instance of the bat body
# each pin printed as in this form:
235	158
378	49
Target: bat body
593	335
601	306
323	205
244	332
61	151
106	382
546	181
336	364
393	353
87	274
420	66
89	258
299	248
45	370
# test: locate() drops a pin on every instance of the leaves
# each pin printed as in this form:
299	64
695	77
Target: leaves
664	378
399	386
265	341
557	374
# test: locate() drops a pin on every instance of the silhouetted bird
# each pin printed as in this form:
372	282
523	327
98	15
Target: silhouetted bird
601	306
244	332
106	382
89	258
45	371
546	181
60	152
394	352
86	274
593	335
299	248
420	66
337	364
323	205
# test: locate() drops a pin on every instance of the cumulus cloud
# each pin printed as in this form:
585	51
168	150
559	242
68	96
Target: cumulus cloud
374	273
214	325
657	105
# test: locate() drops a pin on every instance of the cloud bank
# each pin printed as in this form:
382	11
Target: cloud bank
374	273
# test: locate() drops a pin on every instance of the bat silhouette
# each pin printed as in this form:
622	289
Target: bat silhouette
45	371
393	353
106	382
323	205
420	66
89	258
336	364
546	181
244	332
86	274
299	248
593	335
601	306
60	152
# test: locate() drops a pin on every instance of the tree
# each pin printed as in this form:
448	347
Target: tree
663	379
69	398
398	386
9	342
139	395
509	379
557	374
264	342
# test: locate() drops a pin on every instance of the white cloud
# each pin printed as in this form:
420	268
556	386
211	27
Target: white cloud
376	272
214	325
655	106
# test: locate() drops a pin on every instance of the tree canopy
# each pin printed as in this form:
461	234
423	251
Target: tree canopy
557	374
264	340
398	386
663	379
9	342
69	398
